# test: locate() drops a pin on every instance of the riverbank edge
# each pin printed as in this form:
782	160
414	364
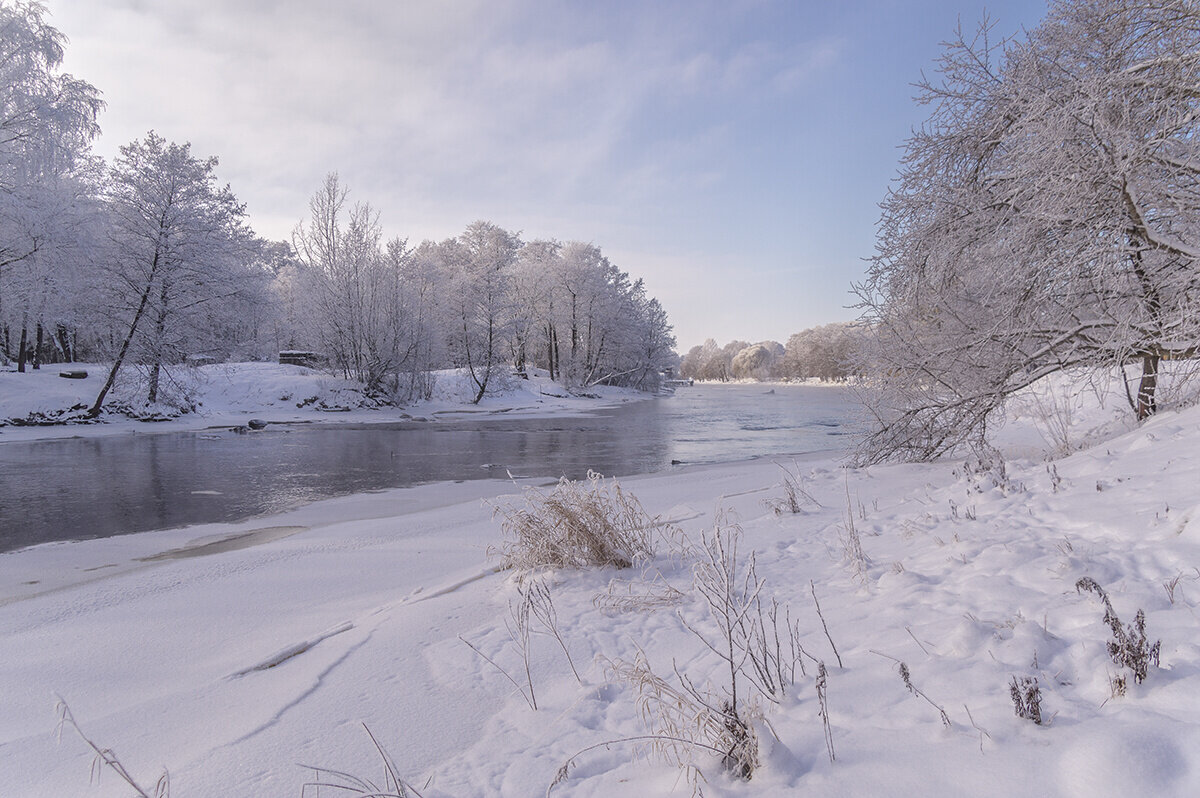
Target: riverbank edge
55	566
233	406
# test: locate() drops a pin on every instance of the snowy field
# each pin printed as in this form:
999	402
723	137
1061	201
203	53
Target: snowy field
230	394
235	655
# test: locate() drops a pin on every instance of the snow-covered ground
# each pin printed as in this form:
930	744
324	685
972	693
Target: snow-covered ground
230	394
233	654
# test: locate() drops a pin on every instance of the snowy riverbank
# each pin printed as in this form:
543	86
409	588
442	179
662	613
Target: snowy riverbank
230	394
229	653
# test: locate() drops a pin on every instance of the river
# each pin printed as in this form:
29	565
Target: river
108	485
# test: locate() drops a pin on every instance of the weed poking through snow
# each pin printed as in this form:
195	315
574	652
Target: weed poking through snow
537	594
906	677
517	625
852	550
794	495
751	634
824	625
1026	696
822	685
1130	647
685	719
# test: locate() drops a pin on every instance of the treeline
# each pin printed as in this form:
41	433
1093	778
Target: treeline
824	353
149	260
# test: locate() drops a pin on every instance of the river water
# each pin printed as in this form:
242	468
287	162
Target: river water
96	487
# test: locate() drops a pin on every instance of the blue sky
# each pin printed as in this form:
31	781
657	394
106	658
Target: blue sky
730	153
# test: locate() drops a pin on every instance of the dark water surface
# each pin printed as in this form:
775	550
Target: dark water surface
110	485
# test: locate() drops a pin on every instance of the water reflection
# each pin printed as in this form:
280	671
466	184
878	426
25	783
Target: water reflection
84	488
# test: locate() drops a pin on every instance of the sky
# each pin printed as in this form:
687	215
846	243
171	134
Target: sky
730	153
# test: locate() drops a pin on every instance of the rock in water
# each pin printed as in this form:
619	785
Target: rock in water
256	423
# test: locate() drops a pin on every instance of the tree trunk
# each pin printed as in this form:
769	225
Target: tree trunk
556	371
64	343
160	326
521	357
1147	386
23	352
155	371
487	374
37	347
133	325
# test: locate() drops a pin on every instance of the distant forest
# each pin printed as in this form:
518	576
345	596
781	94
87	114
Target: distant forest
824	353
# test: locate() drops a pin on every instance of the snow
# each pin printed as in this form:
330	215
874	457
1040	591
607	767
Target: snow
231	654
230	394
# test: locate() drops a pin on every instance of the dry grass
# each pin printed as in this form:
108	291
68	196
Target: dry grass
641	596
577	524
851	542
517	626
684	719
106	757
337	782
794	497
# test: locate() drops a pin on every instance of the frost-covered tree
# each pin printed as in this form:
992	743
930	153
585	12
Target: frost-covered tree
534	321
823	353
422	274
587	285
652	345
691	365
361	314
1045	217
178	257
481	300
756	361
47	122
603	328
711	361
391	316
